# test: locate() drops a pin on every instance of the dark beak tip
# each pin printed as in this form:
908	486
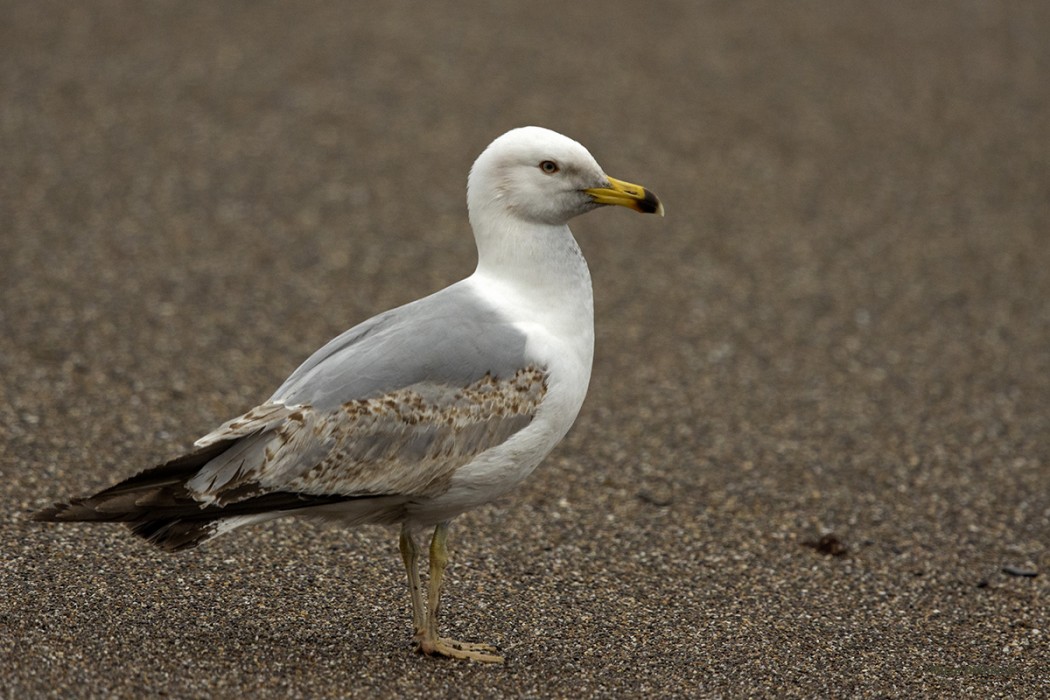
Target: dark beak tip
650	204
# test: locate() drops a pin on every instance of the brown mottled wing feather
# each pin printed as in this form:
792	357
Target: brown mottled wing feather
406	442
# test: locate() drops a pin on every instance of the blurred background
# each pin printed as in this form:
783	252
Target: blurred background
814	456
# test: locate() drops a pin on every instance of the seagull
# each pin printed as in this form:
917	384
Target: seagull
422	412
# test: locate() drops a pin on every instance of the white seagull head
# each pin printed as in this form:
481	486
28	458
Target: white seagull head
539	176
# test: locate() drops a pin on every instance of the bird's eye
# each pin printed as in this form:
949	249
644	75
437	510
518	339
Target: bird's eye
549	167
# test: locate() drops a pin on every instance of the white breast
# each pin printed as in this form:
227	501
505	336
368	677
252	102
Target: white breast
559	325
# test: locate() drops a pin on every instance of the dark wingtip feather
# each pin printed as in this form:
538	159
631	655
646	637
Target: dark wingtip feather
157	507
169	534
74	511
161	487
51	514
174	534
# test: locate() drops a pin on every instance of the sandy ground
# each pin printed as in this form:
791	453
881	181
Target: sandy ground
841	331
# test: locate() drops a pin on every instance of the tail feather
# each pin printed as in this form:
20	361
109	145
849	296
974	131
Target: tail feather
158	507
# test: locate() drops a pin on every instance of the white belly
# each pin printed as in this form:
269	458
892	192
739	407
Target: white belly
499	469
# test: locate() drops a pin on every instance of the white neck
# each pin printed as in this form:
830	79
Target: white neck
527	253
541	266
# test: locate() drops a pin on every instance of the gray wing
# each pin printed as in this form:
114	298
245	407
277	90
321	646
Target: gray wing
393	406
450	337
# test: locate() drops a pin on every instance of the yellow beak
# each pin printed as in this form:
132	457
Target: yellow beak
625	194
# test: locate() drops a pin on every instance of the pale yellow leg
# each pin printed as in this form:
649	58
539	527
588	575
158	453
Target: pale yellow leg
429	641
410	555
